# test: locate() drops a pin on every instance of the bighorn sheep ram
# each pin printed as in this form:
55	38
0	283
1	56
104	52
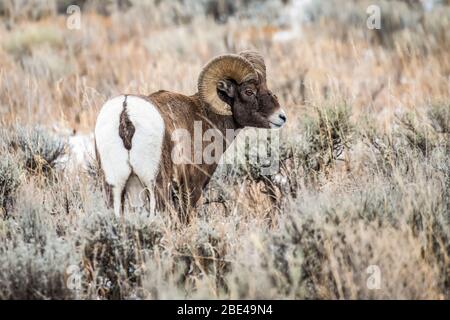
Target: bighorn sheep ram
133	133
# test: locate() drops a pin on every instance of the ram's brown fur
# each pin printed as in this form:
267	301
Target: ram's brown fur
180	111
232	94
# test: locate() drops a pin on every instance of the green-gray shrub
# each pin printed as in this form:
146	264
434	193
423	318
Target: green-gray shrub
326	136
39	150
439	116
9	181
30	271
115	252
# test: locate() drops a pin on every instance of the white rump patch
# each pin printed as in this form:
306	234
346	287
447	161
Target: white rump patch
145	155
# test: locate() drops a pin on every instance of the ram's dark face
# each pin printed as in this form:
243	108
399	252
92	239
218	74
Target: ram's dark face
252	103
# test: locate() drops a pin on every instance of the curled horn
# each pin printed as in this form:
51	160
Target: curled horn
229	66
257	62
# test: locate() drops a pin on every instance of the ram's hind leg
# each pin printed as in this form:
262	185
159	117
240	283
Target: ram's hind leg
145	155
113	134
107	188
115	187
140	161
144	195
136	193
116	171
118	198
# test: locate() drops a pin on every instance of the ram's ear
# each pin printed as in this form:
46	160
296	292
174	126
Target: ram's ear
227	87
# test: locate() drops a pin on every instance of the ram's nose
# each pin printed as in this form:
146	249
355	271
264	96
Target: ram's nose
278	119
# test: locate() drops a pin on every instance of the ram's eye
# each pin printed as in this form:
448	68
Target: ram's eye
249	92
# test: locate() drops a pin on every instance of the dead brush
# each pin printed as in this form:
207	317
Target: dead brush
325	244
420	136
203	257
302	161
439	116
39	150
328	136
9	182
114	254
32	255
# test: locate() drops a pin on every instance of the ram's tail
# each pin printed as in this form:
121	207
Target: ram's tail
126	127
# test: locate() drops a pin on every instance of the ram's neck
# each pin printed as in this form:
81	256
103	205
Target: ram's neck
226	125
202	126
212	126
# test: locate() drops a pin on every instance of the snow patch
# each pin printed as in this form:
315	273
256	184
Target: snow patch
82	150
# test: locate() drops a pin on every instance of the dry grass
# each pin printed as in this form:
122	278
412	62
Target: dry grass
365	161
